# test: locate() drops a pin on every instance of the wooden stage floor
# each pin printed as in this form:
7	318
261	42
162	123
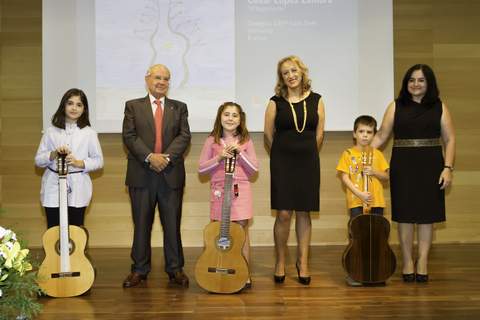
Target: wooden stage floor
452	293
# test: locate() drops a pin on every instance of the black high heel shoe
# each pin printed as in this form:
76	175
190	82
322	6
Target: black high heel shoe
279	279
302	280
408	277
421	278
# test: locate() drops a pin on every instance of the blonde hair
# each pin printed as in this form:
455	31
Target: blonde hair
281	87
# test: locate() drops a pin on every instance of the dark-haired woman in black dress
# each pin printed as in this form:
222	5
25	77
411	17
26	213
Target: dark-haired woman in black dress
420	169
294	123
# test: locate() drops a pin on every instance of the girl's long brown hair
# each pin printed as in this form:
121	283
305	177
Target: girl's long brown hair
58	119
242	132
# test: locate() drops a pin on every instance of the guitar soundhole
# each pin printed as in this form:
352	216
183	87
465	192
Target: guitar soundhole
224	243
71	246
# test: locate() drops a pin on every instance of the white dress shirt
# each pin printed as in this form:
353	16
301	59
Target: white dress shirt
84	145
154	105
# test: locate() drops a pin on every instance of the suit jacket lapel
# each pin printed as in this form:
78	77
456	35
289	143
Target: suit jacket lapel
147	111
167	117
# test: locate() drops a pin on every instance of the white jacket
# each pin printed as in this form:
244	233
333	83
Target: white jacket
84	145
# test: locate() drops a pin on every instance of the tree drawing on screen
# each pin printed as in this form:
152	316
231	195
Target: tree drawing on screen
170	27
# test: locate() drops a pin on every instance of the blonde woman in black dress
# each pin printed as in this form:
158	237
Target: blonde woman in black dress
420	169
294	122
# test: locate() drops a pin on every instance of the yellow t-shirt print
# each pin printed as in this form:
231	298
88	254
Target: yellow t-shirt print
351	163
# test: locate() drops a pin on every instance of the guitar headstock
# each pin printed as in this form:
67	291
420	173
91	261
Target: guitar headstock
230	163
62	166
367	157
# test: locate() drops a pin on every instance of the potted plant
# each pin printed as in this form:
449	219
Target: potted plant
18	288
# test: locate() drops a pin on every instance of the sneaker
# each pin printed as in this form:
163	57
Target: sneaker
353	283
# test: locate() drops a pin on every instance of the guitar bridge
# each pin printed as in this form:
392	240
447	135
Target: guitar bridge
221	270
65	274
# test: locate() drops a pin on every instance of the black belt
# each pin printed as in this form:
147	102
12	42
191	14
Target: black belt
72	172
408	143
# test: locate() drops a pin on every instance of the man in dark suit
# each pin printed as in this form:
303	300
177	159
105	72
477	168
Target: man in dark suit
156	134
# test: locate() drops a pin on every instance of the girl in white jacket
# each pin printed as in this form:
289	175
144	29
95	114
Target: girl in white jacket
70	134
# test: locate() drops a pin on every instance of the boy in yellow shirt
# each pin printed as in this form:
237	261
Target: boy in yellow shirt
351	169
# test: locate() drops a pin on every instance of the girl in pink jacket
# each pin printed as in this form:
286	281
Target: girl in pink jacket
229	136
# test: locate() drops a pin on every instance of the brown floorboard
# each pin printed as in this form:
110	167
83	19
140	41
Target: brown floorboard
452	293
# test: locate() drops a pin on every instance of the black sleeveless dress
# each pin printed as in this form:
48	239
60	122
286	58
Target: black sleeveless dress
294	160
414	171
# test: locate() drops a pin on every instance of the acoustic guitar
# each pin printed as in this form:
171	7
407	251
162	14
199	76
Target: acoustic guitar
368	258
65	271
221	267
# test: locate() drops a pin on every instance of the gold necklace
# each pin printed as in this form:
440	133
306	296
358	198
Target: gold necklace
295	116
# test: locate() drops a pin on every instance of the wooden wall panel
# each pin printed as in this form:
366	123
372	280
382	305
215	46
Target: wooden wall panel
441	33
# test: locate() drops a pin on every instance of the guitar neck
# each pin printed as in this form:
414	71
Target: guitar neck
367	157
365	182
226	206
64	236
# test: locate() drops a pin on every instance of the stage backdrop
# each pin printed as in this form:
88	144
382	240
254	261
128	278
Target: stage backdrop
217	50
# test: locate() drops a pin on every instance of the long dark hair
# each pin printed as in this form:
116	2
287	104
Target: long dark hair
242	131
58	119
431	96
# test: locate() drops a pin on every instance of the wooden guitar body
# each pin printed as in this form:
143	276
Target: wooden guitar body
81	275
222	270
368	257
66	271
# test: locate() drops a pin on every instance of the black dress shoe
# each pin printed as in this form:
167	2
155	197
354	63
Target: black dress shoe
279	279
134	279
302	280
248	284
422	278
178	278
408	277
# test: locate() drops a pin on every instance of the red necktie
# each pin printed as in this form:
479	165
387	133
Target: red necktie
158	126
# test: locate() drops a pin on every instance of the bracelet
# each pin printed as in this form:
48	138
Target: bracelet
448	167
